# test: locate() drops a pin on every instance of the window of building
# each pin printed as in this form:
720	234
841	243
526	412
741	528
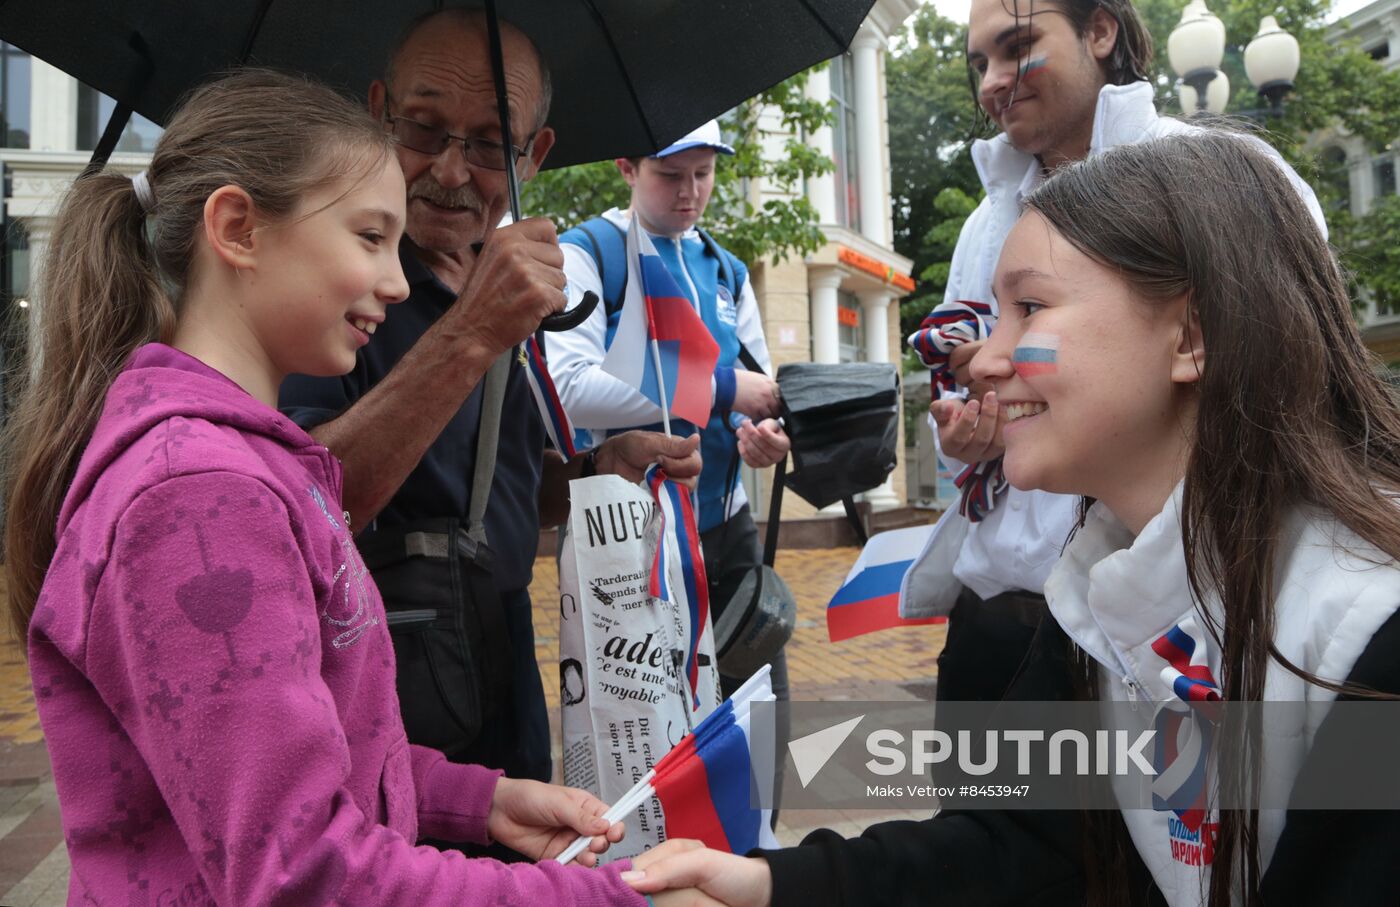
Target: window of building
844	142
14	96
95	108
1380	51
850	324
1383	175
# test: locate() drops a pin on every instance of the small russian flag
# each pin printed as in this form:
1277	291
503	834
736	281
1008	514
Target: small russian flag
658	321
869	598
706	785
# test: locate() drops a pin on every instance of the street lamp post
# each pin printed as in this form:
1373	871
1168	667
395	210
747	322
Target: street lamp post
1271	62
1196	48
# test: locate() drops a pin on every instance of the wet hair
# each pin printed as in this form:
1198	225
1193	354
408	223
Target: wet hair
1129	61
473	19
1292	410
115	272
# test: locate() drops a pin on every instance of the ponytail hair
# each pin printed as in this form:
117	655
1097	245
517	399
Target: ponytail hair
115	272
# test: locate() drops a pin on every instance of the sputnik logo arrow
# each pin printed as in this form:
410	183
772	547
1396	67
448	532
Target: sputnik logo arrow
812	752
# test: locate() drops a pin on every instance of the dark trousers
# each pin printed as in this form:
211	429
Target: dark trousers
530	716
524	734
989	642
732	549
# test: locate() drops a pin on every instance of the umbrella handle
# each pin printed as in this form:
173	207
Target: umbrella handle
567	321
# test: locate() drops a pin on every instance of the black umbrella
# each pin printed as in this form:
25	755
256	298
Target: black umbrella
629	76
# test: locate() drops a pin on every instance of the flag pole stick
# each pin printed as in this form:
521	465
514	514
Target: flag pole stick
660	377
619	810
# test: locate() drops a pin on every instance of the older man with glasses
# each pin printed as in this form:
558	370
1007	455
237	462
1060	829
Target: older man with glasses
405	421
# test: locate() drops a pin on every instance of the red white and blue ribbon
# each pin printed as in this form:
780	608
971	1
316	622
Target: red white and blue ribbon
687	583
1185	728
980	484
556	421
946	328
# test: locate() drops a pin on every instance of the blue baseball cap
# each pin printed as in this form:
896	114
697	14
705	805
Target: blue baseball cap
707	136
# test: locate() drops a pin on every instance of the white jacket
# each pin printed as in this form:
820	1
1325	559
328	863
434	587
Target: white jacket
1018	543
594	399
1115	595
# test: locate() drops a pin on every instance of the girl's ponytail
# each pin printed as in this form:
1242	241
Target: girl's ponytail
121	256
101	298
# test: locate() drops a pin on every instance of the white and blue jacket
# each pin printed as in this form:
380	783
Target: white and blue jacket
598	402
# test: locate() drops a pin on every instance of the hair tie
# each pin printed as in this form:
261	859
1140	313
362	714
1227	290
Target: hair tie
142	185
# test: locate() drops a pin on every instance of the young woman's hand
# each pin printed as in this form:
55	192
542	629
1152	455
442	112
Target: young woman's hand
680	864
540	820
971	431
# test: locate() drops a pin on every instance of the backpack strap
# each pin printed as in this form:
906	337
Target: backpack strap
608	245
731	273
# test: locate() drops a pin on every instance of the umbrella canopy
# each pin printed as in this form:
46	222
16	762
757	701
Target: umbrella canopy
629	76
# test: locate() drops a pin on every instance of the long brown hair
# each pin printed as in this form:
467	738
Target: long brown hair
1292	411
114	273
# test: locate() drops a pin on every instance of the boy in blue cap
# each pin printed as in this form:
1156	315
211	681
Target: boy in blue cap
669	193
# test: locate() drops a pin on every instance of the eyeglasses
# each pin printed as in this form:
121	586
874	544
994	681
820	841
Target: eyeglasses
433	140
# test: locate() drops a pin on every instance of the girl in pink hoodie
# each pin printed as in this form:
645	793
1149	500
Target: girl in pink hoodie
209	655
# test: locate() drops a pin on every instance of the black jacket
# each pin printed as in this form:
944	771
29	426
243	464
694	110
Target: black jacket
986	857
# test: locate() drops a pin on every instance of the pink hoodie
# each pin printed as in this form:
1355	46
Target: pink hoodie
216	681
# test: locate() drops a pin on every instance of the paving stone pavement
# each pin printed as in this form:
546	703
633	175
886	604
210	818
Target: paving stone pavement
894	665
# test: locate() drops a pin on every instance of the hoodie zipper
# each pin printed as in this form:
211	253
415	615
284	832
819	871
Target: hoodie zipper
1125	674
680	257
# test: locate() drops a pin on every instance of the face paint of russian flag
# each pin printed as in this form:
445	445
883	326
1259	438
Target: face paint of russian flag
1036	354
1030	69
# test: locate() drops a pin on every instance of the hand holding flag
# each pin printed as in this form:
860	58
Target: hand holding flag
704	783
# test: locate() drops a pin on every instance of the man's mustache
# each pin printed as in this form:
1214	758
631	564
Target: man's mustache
464	196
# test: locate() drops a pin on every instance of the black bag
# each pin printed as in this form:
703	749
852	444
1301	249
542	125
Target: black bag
843	420
451	639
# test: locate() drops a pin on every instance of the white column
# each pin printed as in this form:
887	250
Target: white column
821	190
876	304
822	283
53	108
39	230
865	53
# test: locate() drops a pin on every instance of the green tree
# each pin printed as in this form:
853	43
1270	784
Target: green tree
932	121
1374	253
780	227
1338	86
1336	83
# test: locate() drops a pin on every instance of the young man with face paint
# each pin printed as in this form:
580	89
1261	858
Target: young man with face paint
1063	79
